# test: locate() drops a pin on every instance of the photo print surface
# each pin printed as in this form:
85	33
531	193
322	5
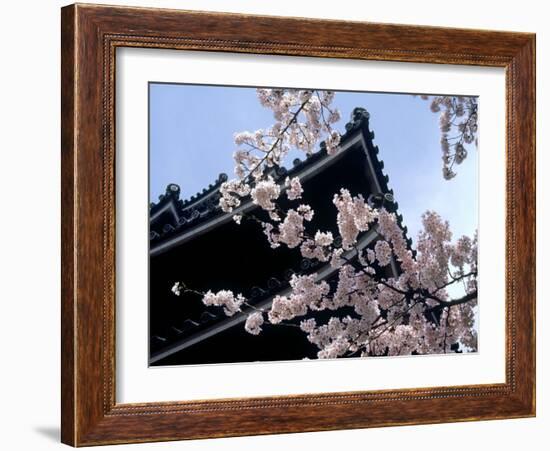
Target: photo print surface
291	224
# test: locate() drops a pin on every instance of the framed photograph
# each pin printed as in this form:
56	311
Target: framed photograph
269	231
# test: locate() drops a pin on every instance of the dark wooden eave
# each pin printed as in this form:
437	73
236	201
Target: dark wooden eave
174	221
194	330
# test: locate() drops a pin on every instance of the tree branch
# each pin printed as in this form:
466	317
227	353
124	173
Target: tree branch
443	304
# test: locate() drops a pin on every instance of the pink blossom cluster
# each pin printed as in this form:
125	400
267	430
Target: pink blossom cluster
306	294
231	193
393	315
421	285
291	230
230	302
319	247
405	326
458	126
177	288
354	216
383	252
391	231
383	299
302	118
253	324
265	192
294	188
398	315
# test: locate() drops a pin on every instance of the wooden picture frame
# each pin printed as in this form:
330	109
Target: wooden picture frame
90	412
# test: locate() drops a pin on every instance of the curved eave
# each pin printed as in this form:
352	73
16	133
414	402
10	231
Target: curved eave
307	171
357	131
322	273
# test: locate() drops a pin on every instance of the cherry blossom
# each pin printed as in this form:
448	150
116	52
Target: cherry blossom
291	230
254	322
265	192
231	193
294	190
306	295
385	299
177	288
354	216
230	302
398	315
458	126
383	253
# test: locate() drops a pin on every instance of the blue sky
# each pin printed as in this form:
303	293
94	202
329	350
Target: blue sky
191	142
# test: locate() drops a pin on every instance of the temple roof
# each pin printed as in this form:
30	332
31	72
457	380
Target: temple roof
176	221
171	215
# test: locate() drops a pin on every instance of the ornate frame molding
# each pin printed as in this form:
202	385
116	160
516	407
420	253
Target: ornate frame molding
90	36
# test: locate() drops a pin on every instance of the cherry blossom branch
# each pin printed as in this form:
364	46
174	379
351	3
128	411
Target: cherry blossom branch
450	109
279	138
401	308
456	279
444	304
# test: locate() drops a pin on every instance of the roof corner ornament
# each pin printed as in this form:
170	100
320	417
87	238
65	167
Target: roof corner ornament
358	115
173	190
